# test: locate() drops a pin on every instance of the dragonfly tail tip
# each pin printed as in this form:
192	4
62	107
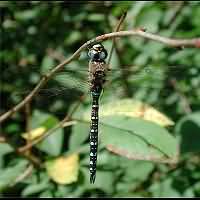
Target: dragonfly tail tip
92	178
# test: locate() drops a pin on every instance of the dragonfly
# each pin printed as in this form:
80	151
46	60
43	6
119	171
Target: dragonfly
96	75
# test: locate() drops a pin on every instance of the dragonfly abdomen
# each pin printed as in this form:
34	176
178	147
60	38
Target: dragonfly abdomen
94	133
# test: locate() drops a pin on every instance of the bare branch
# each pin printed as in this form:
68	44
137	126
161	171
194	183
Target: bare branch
195	42
22	176
117	28
65	122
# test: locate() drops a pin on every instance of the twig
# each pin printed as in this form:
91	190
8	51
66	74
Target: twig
195	42
22	176
42	137
114	43
65	122
121	20
29	156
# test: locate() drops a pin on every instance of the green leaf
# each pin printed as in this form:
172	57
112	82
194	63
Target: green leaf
96	17
5	148
188	130
73	38
164	189
47	64
183	57
53	143
138	139
80	133
149	19
189	192
26	14
35	188
100	183
141	171
46	194
9	175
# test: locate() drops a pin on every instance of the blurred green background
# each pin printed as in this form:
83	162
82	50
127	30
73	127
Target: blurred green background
36	36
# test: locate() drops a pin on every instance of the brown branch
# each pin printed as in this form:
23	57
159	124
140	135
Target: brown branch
22	176
117	28
65	122
40	138
137	32
31	157
115	44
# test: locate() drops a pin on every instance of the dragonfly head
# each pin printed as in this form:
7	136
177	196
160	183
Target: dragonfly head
97	52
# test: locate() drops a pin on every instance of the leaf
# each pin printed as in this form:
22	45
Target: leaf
63	170
189	192
8	175
164	189
53	143
27	14
35	188
141	171
47	64
96	17
73	38
132	108
55	140
138	139
80	133
100	183
5	148
188	130
46	194
149	18
35	133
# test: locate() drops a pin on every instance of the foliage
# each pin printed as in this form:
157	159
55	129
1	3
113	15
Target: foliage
138	151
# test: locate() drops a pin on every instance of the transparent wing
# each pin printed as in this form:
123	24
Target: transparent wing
72	82
72	78
63	84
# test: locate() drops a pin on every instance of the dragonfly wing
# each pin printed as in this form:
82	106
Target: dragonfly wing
73	79
149	74
62	85
150	83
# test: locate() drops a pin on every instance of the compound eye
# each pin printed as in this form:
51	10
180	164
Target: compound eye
103	55
92	53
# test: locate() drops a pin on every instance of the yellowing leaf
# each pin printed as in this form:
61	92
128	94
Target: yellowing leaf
35	133
64	170
134	108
